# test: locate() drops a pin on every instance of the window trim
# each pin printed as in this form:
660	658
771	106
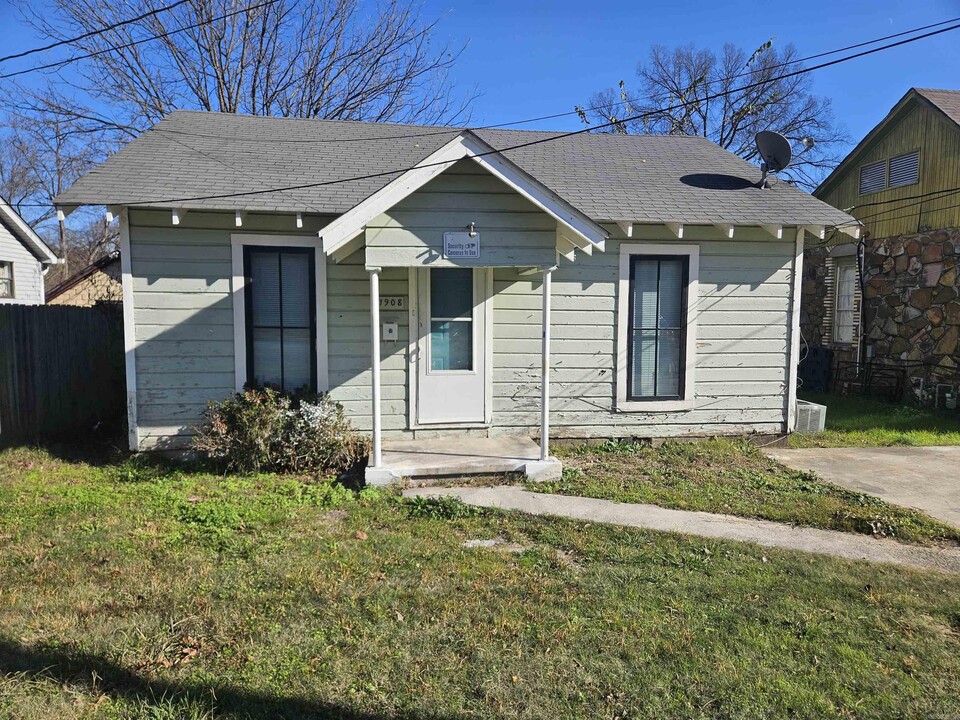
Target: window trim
838	266
238	242
248	317
13	281
687	400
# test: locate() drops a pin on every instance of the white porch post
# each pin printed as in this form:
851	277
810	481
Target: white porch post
375	359
545	371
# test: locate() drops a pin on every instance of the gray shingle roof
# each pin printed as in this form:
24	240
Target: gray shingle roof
947	100
637	178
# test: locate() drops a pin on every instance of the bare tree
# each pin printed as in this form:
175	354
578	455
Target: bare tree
334	59
676	97
44	150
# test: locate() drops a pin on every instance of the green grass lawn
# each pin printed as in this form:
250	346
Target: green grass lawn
864	422
734	477
135	591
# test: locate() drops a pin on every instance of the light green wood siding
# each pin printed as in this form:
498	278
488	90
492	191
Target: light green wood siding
917	126
183	314
27	271
513	231
185	352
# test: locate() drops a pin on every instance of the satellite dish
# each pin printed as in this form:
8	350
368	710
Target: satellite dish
774	149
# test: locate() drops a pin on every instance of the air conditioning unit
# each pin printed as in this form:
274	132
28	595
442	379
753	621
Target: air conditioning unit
810	417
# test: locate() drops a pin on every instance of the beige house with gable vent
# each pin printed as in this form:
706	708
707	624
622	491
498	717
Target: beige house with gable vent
454	285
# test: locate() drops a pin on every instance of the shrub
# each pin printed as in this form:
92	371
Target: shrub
264	430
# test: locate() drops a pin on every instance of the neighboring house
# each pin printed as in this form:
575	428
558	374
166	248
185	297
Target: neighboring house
901	308
99	282
406	270
23	259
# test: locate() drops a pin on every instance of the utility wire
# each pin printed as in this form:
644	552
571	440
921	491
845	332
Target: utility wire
133	43
554	116
551	138
98	31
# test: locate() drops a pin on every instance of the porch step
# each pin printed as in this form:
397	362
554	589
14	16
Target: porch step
451	457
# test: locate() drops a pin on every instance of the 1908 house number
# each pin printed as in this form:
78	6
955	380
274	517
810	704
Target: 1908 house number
393	302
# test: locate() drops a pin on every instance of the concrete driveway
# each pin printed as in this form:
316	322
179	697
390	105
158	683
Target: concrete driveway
925	478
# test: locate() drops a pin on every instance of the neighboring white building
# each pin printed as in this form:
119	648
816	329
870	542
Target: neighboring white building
23	259
411	272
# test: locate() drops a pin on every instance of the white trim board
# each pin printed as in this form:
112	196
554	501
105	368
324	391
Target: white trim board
129	332
623	342
237	283
793	360
342	230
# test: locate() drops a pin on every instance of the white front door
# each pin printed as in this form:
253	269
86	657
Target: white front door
451	357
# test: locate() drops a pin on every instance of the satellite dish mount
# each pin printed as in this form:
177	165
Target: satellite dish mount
775	150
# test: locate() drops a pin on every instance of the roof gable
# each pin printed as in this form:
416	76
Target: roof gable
945	103
466	145
26	234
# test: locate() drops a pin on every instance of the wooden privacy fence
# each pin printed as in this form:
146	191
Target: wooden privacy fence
61	372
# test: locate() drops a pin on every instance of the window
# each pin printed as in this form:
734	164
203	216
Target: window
280	316
843	308
873	177
656	334
451	319
656	328
6	279
905	169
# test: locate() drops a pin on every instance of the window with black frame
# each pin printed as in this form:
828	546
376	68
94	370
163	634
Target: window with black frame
657	327
281	323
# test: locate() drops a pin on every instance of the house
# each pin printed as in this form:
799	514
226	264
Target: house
895	303
456	284
99	282
24	257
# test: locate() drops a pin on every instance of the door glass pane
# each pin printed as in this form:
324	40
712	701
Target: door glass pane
265	284
451	345
644	293
295	268
671	293
451	293
266	356
643	363
668	363
296	359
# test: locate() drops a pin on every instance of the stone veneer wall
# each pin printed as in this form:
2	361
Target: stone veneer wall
910	304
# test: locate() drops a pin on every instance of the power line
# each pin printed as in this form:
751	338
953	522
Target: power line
133	43
551	138
568	113
918	200
99	31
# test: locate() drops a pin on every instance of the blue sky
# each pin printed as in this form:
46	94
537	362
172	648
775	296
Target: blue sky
535	57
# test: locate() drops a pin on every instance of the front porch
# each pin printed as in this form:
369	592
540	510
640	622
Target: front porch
451	457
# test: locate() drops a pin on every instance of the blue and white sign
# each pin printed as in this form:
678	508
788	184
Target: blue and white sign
461	245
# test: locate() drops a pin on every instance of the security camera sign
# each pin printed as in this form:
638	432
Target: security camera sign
461	245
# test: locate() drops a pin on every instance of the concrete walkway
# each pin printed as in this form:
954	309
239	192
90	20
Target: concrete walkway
725	527
925	478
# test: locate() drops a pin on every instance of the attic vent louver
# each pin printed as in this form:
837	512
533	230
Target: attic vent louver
905	169
873	177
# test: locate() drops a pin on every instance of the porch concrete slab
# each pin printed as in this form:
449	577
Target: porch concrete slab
712	525
451	456
924	478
